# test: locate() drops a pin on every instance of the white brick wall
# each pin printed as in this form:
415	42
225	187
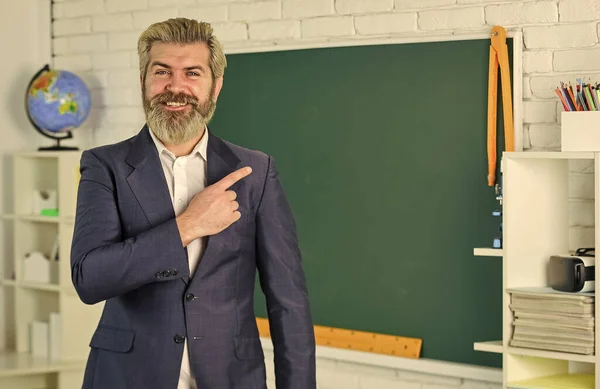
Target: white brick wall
116	22
297	9
231	32
450	19
264	31
72	26
122	6
579	10
210	13
328	27
537	61
142	19
97	39
349	7
386	23
561	36
521	13
403	4
264	10
577	60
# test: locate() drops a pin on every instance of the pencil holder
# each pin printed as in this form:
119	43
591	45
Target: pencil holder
580	131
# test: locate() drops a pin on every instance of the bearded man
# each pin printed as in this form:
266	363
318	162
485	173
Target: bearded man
171	228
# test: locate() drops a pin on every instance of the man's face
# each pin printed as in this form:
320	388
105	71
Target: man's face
179	93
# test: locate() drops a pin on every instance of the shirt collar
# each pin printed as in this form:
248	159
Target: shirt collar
200	148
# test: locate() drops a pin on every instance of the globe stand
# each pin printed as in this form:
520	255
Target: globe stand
53	136
57	147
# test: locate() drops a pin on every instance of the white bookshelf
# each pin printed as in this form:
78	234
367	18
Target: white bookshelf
535	226
28	300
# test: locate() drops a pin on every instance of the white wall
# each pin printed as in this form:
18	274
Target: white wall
97	38
25	48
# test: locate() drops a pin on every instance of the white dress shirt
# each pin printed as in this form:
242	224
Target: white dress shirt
186	176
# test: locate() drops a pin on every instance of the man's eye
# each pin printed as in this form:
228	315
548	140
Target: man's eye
161	72
193	74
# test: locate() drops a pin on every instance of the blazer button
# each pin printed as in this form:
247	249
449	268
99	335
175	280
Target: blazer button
179	339
174	272
189	297
158	275
166	273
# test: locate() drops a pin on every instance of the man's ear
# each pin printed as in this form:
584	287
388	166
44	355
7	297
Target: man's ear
218	87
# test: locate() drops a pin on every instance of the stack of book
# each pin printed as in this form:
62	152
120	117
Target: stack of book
546	319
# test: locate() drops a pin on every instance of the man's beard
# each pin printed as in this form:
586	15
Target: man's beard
177	127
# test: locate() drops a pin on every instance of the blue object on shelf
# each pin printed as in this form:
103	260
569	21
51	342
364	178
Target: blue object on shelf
497	243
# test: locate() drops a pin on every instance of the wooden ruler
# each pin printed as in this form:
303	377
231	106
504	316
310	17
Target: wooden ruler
358	340
498	57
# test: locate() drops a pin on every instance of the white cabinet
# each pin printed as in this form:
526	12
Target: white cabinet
32	304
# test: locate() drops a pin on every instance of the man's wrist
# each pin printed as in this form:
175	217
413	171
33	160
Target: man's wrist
185	230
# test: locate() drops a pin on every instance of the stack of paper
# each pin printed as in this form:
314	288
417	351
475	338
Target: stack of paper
546	319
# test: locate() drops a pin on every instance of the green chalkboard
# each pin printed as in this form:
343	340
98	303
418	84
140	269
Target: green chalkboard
382	153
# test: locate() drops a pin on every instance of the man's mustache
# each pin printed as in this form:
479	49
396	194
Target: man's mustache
165	97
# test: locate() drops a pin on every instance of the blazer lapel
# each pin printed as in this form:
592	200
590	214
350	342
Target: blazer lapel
221	159
147	181
220	162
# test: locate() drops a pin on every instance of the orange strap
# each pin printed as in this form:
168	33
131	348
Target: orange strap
498	57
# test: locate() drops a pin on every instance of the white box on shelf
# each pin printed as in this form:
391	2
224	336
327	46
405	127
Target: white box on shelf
39	339
38	268
580	131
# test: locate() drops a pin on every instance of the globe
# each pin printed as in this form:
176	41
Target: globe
57	102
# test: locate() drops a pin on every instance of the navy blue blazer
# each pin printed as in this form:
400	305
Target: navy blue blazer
127	251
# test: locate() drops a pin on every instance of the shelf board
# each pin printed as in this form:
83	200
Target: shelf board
492	346
551	354
47	154
39	286
38	218
549	155
8	282
31	285
19	364
487	252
